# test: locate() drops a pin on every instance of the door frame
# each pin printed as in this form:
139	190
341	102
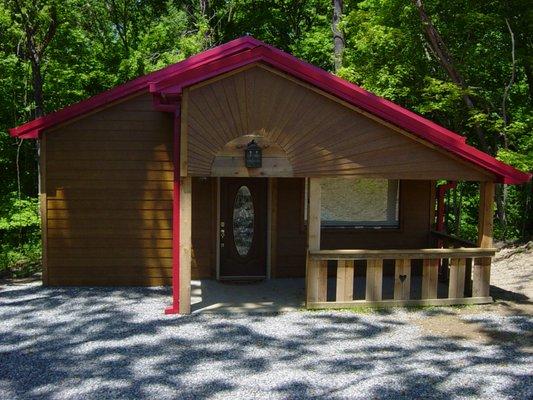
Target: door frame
270	231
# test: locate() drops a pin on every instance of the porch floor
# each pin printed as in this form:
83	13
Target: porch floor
269	296
277	295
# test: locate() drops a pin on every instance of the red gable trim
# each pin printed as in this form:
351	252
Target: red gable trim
169	82
32	129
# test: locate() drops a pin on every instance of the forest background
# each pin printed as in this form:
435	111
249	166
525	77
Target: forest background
466	64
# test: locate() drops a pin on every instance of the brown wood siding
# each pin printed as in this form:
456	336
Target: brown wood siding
204	208
320	135
109	181
291	243
291	233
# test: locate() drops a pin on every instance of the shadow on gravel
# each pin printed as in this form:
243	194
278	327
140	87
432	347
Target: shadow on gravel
498	293
79	343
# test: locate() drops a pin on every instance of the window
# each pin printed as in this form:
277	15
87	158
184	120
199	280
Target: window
359	203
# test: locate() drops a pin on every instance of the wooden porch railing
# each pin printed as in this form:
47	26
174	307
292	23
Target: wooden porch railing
317	277
451	240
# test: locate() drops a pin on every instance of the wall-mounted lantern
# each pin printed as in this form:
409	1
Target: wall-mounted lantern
253	156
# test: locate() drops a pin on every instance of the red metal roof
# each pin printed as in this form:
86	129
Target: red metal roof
168	82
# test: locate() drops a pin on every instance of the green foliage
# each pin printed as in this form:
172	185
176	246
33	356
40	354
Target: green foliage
101	43
20	261
462	206
18	214
387	53
20	249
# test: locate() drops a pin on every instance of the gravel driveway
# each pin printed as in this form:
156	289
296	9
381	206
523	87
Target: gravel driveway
86	343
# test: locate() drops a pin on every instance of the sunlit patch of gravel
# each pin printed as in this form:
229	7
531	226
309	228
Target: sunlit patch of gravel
512	270
107	343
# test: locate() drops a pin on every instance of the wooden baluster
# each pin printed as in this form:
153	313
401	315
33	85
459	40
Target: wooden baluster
456	287
317	280
402	279
374	279
322	280
481	277
345	276
430	279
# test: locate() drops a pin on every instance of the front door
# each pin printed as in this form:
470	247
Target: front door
243	228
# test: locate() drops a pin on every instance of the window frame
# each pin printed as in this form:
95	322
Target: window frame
355	227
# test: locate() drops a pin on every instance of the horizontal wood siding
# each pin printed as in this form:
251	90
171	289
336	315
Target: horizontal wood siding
291	243
319	135
109	181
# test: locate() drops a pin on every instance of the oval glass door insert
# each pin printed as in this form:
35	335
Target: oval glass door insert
243	221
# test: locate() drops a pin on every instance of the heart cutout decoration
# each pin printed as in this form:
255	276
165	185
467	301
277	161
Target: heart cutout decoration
402	277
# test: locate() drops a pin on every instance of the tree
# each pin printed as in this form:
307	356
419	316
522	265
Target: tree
338	36
454	62
444	57
38	21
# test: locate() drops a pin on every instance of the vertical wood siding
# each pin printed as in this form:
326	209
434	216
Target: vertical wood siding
109	194
319	135
292	233
204	228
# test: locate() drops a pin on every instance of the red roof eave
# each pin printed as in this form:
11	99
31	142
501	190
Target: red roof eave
246	50
32	129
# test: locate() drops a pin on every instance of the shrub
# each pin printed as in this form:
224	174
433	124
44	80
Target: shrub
20	249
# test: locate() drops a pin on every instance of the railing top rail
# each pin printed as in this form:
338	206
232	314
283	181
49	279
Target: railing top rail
453	239
363	254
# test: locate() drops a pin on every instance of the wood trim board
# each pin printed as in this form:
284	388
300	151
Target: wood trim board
398	303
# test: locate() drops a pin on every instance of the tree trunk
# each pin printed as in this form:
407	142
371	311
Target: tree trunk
338	35
37	86
203	7
458	210
529	78
502	190
443	55
34	52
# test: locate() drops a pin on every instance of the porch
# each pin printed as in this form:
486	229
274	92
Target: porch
355	278
391	273
465	271
303	210
268	296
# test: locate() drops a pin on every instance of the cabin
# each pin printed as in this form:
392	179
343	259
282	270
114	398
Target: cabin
246	163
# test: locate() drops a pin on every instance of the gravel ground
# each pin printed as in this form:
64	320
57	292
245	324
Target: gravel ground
87	343
512	272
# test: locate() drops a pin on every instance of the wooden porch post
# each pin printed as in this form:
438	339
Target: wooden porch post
481	268
185	245
181	222
316	271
